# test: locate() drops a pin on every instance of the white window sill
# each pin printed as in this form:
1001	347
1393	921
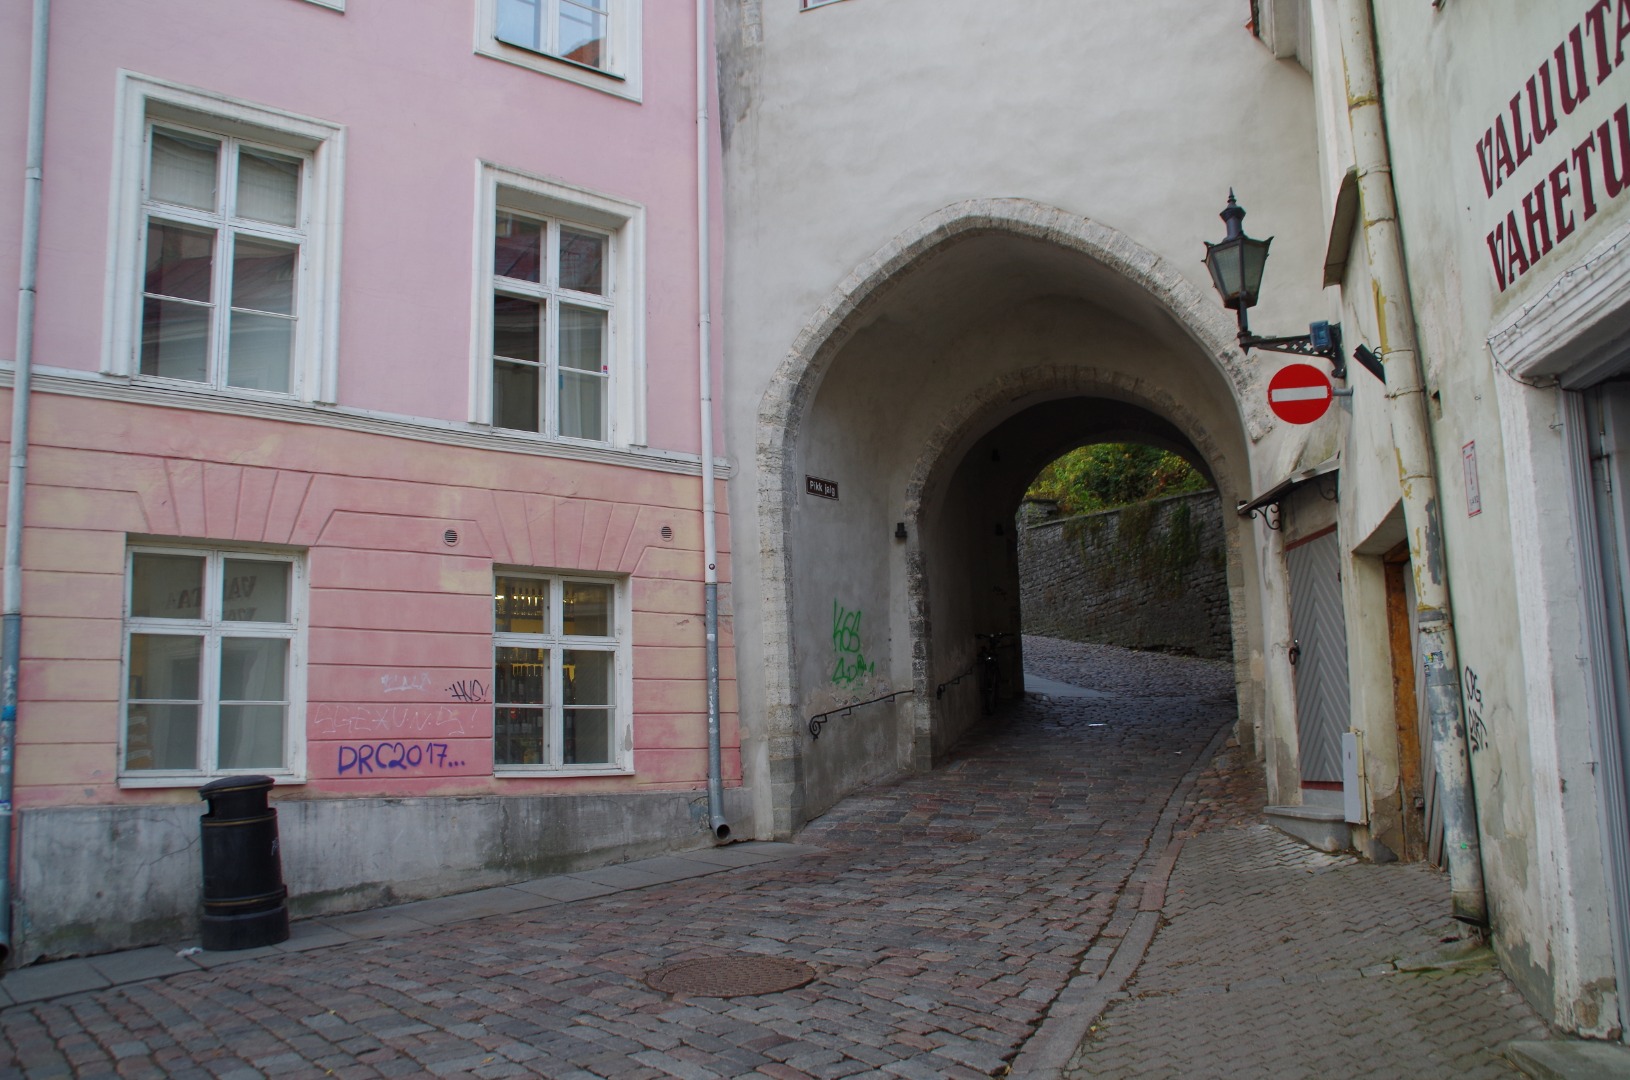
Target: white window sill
618	84
199	779
533	772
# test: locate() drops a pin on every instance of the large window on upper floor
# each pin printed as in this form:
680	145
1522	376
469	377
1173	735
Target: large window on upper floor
594	43
559	327
226	243
221	266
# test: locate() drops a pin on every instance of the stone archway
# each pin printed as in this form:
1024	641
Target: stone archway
1207	336
938	458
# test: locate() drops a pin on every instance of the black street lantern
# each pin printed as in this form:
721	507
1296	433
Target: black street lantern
1236	263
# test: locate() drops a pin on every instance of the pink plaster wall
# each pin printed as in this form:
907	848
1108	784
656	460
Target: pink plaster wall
420	109
396	617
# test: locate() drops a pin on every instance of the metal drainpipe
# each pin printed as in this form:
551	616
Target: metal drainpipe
710	544
1411	437
11	628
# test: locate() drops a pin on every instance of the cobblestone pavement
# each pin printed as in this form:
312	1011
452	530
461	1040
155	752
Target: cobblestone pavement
1277	960
947	918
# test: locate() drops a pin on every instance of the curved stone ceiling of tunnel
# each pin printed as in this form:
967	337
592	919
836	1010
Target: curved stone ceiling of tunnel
954	268
1028	441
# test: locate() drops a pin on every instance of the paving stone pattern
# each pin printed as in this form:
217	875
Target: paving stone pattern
943	915
1277	960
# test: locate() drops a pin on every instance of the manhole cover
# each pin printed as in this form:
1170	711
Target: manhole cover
731	976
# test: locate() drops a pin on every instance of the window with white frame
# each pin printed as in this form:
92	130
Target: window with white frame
559	672
225	254
594	43
573	30
559	325
222	260
213	664
551	328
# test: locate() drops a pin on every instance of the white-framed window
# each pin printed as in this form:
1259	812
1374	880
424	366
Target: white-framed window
213	665
225	253
559	325
594	43
561	680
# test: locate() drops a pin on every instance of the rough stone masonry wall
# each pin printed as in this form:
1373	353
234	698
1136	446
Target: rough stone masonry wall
1148	576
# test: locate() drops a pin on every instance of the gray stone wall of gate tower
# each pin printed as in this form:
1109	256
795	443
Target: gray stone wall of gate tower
1147	576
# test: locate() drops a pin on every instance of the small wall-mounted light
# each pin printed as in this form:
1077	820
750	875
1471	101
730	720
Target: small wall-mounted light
899	530
1236	263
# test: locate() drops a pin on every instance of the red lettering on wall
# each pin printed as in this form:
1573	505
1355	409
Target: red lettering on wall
1581	169
1595	22
1560	189
1542	126
1497	254
1485	159
1615	178
1536	217
1577	81
1524	148
1517	261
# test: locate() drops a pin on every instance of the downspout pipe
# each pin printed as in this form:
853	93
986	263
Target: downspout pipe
11	620
710	541
1411	438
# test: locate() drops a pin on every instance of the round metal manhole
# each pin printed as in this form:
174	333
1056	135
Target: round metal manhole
731	976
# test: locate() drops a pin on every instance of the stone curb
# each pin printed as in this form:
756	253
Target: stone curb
1102	974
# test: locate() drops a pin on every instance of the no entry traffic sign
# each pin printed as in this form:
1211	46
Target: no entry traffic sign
1299	393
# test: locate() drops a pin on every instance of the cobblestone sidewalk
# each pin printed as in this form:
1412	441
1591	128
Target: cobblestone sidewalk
1277	960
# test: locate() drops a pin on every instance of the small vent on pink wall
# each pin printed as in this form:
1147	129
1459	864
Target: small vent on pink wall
667	532
450	538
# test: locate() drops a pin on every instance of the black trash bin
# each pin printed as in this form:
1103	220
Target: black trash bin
244	896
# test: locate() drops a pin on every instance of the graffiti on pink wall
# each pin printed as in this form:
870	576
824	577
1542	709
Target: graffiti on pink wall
335	719
369	758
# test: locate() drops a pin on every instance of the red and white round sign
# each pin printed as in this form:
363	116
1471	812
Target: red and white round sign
1299	393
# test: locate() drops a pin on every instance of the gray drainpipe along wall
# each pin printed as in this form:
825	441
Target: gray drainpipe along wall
11	628
710	543
1411	437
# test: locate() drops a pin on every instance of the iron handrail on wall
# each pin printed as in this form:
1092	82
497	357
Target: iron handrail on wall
820	720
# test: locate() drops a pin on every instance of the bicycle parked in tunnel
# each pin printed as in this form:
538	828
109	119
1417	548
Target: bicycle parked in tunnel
990	668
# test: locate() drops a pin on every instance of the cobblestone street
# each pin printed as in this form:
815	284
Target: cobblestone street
956	924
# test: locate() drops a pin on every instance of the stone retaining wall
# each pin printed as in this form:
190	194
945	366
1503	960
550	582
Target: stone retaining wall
1148	576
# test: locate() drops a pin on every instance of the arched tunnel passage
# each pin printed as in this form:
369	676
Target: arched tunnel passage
1121	542
992	326
974	575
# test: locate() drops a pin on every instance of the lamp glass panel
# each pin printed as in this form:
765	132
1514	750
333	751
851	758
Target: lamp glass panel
1253	260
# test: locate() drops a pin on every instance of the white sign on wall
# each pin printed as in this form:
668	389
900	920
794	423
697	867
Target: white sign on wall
1474	493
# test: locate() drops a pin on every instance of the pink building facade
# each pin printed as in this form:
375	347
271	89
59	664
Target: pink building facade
365	448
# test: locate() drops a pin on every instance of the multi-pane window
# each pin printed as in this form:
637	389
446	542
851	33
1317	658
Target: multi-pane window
222	233
551	328
557	656
210	662
575	30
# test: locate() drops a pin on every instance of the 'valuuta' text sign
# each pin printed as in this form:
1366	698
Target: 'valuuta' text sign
1583	175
